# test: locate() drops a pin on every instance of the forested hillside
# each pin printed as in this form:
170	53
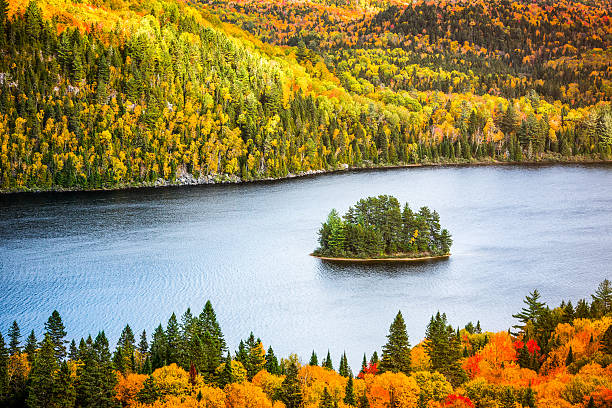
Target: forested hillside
554	358
99	94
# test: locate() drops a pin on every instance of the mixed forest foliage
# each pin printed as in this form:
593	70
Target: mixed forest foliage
377	227
108	93
559	357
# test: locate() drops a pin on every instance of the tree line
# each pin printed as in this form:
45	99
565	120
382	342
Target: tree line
190	361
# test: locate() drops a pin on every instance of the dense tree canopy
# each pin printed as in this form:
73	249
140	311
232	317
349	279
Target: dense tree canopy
377	227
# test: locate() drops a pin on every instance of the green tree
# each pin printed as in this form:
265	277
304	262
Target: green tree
14	335
603	297
159	348
4	358
326	400
444	349
314	360
396	353
327	362
291	393
532	312
272	362
54	328
226	377
31	346
349	394
343	369
42	390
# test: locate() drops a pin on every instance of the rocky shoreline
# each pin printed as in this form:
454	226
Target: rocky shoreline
187	179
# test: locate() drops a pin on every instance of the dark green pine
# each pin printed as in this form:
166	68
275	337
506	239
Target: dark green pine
271	362
349	395
314	360
14	335
56	331
41	388
343	370
396	353
327	363
291	392
31	346
363	401
173	337
570	357
73	351
374	359
326	400
159	346
149	392
226	377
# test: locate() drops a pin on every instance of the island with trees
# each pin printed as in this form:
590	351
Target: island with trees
378	229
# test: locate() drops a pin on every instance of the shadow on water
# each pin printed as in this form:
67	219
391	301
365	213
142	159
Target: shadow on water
341	270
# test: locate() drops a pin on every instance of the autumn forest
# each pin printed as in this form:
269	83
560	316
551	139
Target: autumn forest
126	93
551	357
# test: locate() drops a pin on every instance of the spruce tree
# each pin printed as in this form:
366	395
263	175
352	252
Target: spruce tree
314	360
73	351
14	335
41	388
606	341
343	370
396	353
55	329
64	392
272	362
326	400
327	363
444	349
30	347
173	338
124	355
226	377
291	392
159	347
349	395
374	359
149	392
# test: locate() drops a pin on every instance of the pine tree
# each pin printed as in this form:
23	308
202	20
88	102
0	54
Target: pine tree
291	393
226	377
14	334
396	353
55	329
272	362
374	359
314	360
343	370
212	344
30	347
149	392
327	362
159	347
444	349
173	338
603	297
326	400
124	355
349	395
63	391
73	351
41	388
532	312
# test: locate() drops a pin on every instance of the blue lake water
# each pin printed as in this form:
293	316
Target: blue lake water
104	259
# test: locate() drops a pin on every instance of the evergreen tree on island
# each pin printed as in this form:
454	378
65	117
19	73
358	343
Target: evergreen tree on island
377	227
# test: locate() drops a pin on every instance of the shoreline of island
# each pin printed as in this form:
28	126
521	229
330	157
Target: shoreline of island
382	260
221	179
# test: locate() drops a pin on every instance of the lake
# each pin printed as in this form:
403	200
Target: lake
104	259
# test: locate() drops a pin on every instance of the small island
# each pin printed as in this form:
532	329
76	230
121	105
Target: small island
377	229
